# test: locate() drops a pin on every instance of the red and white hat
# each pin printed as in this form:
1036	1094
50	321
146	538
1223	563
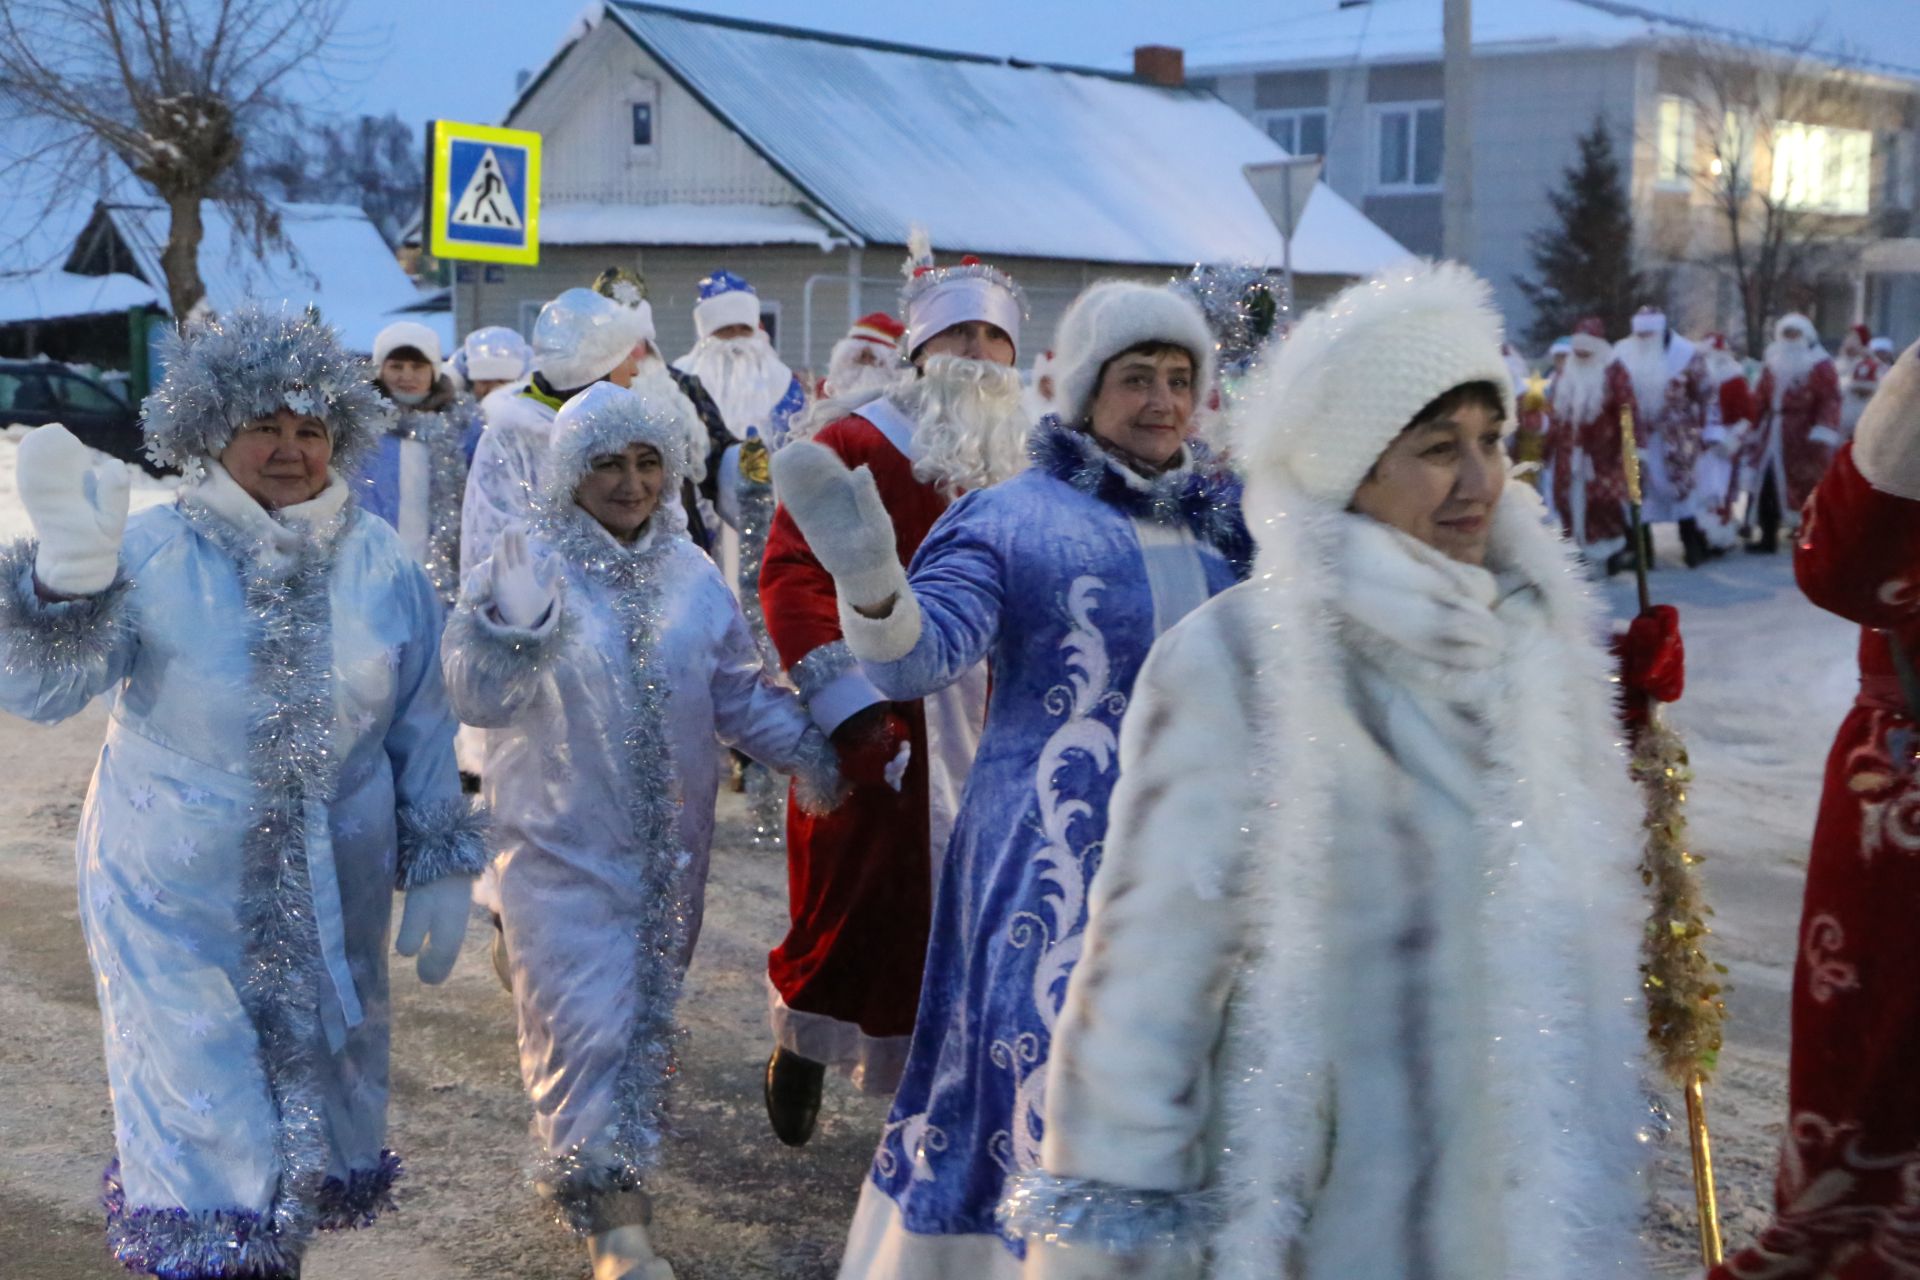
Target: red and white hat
1590	338
1649	320
1715	342
937	298
879	328
1864	334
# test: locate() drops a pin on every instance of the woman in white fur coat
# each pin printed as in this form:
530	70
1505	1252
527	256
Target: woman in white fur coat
1359	997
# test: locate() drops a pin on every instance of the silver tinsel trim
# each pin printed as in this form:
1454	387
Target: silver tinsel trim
248	365
293	756
1082	1212
441	431
510	659
821	668
446	838
578	1182
818	786
645	415
922	275
634	579
766	799
69	640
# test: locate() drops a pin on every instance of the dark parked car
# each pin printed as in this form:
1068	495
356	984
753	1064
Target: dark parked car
36	392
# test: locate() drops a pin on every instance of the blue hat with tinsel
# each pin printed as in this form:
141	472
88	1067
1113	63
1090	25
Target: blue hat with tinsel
228	371
725	299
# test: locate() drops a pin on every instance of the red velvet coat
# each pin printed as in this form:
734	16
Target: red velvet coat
1805	420
1575	449
860	878
1848	1185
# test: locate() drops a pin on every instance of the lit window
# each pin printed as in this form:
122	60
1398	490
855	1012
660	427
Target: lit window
1674	143
1821	169
1299	133
1408	143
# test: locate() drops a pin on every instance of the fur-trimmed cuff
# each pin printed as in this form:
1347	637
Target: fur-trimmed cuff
1088	1214
445	838
833	686
818	786
887	639
355	1202
237	1243
70	640
589	1189
506	661
1886	442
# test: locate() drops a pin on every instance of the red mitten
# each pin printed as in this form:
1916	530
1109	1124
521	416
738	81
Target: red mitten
1653	662
869	745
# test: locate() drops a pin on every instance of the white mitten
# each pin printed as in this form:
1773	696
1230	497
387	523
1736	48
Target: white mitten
433	920
845	523
77	501
520	598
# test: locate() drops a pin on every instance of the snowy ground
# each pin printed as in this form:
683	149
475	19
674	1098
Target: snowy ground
1770	678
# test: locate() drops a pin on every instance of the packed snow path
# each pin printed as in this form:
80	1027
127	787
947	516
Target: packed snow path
1769	679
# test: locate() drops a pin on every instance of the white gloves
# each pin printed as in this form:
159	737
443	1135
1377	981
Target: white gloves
841	515
435	915
1886	443
520	598
77	501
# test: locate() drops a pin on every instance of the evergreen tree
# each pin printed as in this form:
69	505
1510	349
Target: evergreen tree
1583	263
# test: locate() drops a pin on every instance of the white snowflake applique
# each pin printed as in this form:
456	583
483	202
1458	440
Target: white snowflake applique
361	722
185	850
200	1102
148	895
351	827
174	1152
197	1025
142	798
195	795
394	654
100	895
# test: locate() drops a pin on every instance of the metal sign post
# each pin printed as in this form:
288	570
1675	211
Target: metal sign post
1283	188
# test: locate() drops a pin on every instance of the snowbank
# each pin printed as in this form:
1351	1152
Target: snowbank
147	491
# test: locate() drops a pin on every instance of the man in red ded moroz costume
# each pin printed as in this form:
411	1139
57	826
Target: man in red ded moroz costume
1799	403
1847	1190
845	981
1586	470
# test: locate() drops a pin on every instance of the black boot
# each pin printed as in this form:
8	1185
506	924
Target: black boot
1693	544
793	1095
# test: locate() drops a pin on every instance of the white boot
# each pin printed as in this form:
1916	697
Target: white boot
625	1253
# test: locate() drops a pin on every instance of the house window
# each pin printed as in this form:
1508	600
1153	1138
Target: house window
1673	145
1300	133
643	120
642	124
1820	169
1407	140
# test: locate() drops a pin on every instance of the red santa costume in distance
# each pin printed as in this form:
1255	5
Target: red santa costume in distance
1847	1194
1799	403
1730	418
1586	473
1671	390
845	981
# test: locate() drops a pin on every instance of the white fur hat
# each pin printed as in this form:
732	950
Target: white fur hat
1329	398
1113	315
407	333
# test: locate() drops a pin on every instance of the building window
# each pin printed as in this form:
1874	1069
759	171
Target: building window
1821	169
1407	152
1673	146
643	120
1300	133
643	124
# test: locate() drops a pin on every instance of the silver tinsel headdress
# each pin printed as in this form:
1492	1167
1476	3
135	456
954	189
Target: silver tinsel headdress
249	364
606	419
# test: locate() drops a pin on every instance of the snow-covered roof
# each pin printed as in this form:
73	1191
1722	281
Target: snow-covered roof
62	295
995	156
340	264
683	224
1874	35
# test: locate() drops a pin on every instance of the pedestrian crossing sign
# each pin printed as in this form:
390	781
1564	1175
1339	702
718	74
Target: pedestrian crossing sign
484	187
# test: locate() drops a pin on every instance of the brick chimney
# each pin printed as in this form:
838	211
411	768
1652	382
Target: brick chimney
1160	64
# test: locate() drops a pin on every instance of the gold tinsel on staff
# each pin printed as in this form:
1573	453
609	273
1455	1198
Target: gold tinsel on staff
1685	1010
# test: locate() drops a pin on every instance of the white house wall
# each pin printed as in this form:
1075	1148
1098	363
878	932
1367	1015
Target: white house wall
582	112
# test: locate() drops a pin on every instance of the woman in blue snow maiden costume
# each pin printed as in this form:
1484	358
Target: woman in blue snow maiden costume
279	759
1062	577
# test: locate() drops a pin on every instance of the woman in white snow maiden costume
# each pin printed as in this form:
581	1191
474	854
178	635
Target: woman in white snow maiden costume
608	660
1061	577
1360	997
279	758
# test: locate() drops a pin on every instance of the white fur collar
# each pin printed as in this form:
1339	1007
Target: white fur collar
273	536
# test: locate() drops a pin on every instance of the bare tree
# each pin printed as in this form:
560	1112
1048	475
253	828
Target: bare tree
1751	98
171	88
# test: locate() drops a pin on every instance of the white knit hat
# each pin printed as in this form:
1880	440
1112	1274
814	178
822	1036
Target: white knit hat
582	336
1108	318
407	333
1329	398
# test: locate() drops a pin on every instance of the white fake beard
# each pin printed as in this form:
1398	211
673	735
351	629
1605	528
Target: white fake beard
1791	362
745	378
1721	366
848	377
969	427
1580	390
1645	361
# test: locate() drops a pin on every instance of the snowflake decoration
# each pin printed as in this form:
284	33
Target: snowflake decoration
300	400
148	895
142	798
394	653
174	1152
195	795
100	895
200	1102
351	828
198	1025
185	850
361	722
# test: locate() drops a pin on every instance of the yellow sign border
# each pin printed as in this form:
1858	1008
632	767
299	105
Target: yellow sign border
445	132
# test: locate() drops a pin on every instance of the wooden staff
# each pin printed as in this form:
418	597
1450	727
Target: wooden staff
1683	996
